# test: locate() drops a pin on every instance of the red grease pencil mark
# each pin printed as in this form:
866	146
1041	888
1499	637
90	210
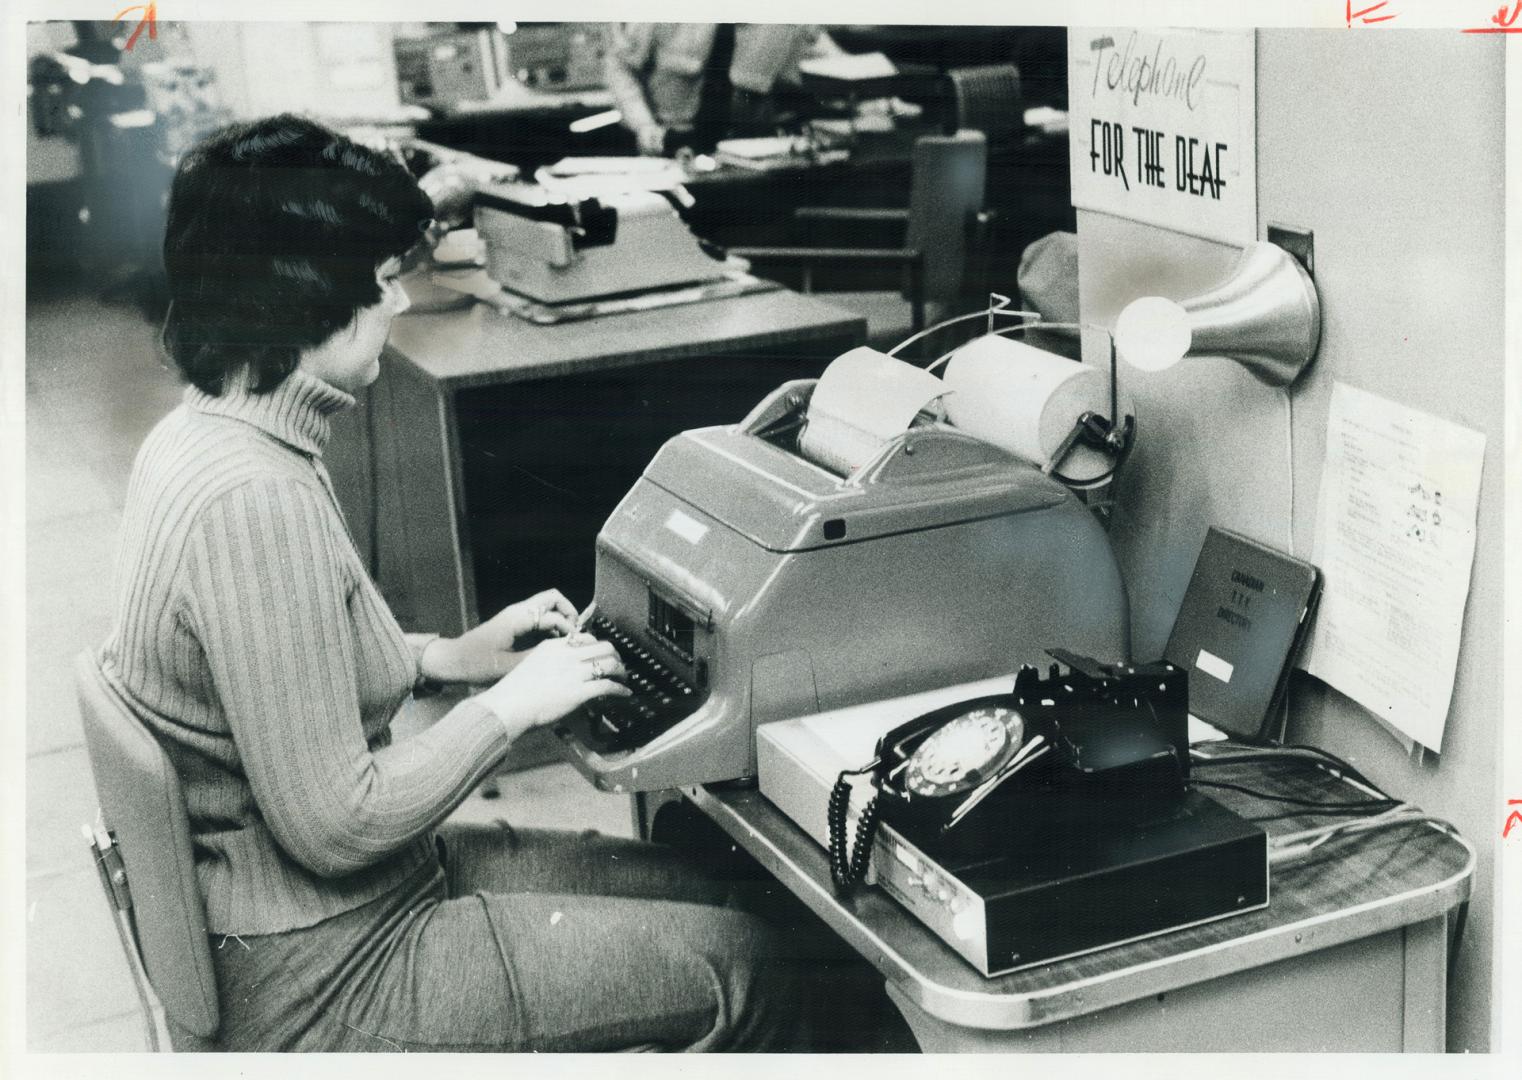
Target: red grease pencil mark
150	19
1504	23
1364	16
1513	818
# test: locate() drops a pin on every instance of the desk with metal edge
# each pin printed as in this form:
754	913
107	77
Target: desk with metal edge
1351	953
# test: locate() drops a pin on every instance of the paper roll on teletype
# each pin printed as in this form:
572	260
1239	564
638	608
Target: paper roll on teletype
1027	401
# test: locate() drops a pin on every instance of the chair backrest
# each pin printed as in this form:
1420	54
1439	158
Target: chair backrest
946	190
144	809
988	98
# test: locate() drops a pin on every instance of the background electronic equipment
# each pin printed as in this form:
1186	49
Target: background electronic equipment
556	56
444	68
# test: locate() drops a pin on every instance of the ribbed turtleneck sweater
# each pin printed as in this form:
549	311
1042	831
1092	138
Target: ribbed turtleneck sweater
251	641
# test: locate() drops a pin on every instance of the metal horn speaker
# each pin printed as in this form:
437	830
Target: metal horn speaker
1266	316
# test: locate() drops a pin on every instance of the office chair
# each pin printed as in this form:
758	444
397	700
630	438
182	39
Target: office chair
988	99
1029	188
147	871
943	227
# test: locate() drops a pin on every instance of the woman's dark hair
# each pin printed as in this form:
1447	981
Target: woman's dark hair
275	231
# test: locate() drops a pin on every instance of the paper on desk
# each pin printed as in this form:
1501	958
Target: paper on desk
763	146
603	177
604	166
849	66
863	399
1049	120
1395	541
1202	732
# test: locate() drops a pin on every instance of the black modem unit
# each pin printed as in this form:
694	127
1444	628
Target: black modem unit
1079	890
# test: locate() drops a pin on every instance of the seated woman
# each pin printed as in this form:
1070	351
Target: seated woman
251	640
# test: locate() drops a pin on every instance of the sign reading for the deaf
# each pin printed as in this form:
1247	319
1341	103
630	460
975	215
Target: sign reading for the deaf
1164	128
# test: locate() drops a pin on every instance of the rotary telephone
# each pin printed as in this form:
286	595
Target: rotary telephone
1055	753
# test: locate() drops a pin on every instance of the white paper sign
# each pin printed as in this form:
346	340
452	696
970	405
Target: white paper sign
1395	541
1164	128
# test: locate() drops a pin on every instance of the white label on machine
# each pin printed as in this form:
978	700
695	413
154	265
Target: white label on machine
1211	664
689	529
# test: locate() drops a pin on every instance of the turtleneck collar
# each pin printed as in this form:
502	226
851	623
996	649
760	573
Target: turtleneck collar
295	412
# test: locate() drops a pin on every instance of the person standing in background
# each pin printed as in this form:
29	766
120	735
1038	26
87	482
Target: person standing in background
691	84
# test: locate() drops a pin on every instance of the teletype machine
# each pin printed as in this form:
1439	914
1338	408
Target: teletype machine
846	542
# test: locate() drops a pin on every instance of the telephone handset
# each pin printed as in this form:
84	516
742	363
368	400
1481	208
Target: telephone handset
930	773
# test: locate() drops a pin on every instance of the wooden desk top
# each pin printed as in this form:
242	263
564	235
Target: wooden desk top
481	346
1353	888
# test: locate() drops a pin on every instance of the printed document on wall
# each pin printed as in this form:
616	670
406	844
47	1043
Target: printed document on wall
1395	541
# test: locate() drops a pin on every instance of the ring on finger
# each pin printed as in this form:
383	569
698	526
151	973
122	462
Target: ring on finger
597	671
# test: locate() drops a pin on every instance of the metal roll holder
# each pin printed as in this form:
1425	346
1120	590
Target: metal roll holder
1111	435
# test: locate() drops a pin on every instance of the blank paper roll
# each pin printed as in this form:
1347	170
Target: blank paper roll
1027	400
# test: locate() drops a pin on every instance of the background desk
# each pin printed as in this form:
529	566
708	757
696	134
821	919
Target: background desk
1351	953
1027	183
491	450
1027	193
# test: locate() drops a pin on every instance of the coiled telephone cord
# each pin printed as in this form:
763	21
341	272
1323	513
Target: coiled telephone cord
848	862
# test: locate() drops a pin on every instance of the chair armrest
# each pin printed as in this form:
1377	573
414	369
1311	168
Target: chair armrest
850	213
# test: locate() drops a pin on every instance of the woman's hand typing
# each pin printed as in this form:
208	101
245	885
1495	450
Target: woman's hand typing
554	679
490	651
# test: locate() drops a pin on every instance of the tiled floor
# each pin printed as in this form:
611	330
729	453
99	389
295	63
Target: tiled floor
94	388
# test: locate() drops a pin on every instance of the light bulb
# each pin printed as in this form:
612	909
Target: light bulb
1152	333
